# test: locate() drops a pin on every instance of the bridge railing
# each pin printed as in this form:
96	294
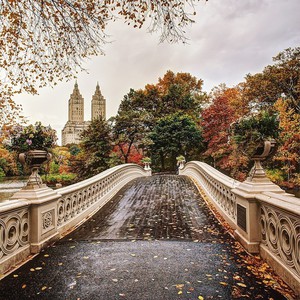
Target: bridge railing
265	219
38	216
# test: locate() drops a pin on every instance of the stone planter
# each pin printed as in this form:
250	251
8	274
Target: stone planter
257	172
34	159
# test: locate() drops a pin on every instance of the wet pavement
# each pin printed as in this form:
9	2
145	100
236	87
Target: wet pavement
155	240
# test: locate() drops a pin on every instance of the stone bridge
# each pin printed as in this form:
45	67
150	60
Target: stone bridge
175	248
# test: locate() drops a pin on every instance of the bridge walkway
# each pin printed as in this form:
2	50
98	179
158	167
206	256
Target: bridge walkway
156	239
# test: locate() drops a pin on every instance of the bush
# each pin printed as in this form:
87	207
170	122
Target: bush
64	179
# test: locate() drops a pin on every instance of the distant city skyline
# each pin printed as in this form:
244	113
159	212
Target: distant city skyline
229	39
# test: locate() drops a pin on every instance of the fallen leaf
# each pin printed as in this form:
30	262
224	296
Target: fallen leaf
15	275
32	269
44	288
241	284
23	286
200	298
179	286
179	293
46	255
115	280
38	268
223	283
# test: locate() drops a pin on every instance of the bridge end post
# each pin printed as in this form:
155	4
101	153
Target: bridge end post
42	215
248	230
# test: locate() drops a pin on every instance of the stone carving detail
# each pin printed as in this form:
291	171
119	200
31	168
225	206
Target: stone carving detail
14	232
72	204
281	235
48	220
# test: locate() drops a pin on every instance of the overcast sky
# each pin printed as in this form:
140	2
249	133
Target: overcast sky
229	39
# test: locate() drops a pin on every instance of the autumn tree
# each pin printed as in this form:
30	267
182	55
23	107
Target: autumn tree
282	79
140	110
235	97
172	93
130	127
8	163
288	153
216	122
43	42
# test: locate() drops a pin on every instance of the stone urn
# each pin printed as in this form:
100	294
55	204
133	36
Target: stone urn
34	159
180	162
257	172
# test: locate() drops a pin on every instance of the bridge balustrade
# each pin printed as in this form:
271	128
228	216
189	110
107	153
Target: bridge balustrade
40	215
265	219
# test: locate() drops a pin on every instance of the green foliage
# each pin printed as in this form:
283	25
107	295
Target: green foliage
180	158
74	149
97	145
172	135
114	160
54	168
146	160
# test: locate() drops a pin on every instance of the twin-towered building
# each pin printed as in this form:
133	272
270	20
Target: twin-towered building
76	124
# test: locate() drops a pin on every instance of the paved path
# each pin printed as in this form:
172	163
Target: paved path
156	240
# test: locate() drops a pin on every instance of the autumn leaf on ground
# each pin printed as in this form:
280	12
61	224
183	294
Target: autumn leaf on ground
179	286
23	286
200	298
223	283
44	288
241	284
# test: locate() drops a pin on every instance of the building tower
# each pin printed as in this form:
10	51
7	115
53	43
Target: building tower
71	133
98	104
76	106
75	124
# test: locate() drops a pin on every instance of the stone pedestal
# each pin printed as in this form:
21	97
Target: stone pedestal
42	214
